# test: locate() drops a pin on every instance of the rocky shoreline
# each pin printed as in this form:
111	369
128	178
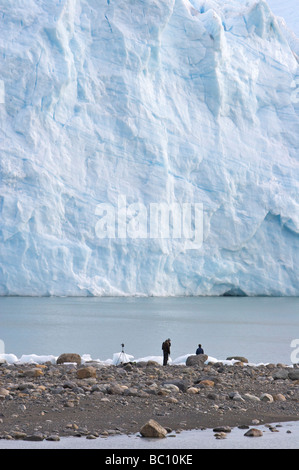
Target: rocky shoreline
50	401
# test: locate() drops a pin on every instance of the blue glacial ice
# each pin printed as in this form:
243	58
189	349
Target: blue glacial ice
152	102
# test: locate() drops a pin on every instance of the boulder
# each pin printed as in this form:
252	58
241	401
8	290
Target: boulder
86	372
281	374
294	374
153	429
196	360
69	357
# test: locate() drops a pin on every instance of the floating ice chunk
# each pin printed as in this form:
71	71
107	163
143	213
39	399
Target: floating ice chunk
9	358
36	359
158	359
121	358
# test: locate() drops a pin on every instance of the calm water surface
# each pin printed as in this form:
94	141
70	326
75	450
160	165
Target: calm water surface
259	328
286	438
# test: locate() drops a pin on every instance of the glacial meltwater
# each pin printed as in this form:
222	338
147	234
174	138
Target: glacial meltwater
263	329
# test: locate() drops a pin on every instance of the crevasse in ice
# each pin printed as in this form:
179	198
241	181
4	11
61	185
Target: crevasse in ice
109	108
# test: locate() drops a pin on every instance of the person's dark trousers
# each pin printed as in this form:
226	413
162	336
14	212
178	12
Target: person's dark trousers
165	359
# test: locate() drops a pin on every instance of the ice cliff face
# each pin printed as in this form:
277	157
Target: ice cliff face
134	103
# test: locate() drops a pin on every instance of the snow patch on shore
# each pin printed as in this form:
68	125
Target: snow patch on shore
116	359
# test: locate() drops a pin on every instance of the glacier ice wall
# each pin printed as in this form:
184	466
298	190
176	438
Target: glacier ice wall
171	101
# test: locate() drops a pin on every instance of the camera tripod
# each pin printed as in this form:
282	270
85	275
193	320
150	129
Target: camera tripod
120	357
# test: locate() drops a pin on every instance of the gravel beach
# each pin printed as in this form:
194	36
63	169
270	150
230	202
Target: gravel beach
49	401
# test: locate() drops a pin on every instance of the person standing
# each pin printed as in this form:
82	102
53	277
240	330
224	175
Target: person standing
166	351
199	350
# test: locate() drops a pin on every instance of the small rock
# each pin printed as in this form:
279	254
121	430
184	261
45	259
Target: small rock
69	404
279	397
171	387
34	373
273	429
72	426
225	429
181	384
207	383
266	397
253	432
171	400
19	435
34	437
250	397
115	390
235	396
220	435
69	384
53	438
212	396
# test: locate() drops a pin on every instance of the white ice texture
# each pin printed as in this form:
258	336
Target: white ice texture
158	101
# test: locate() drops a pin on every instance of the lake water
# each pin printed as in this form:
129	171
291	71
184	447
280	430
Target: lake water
259	328
287	437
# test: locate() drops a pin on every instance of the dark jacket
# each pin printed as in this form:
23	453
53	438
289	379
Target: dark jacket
166	347
199	351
